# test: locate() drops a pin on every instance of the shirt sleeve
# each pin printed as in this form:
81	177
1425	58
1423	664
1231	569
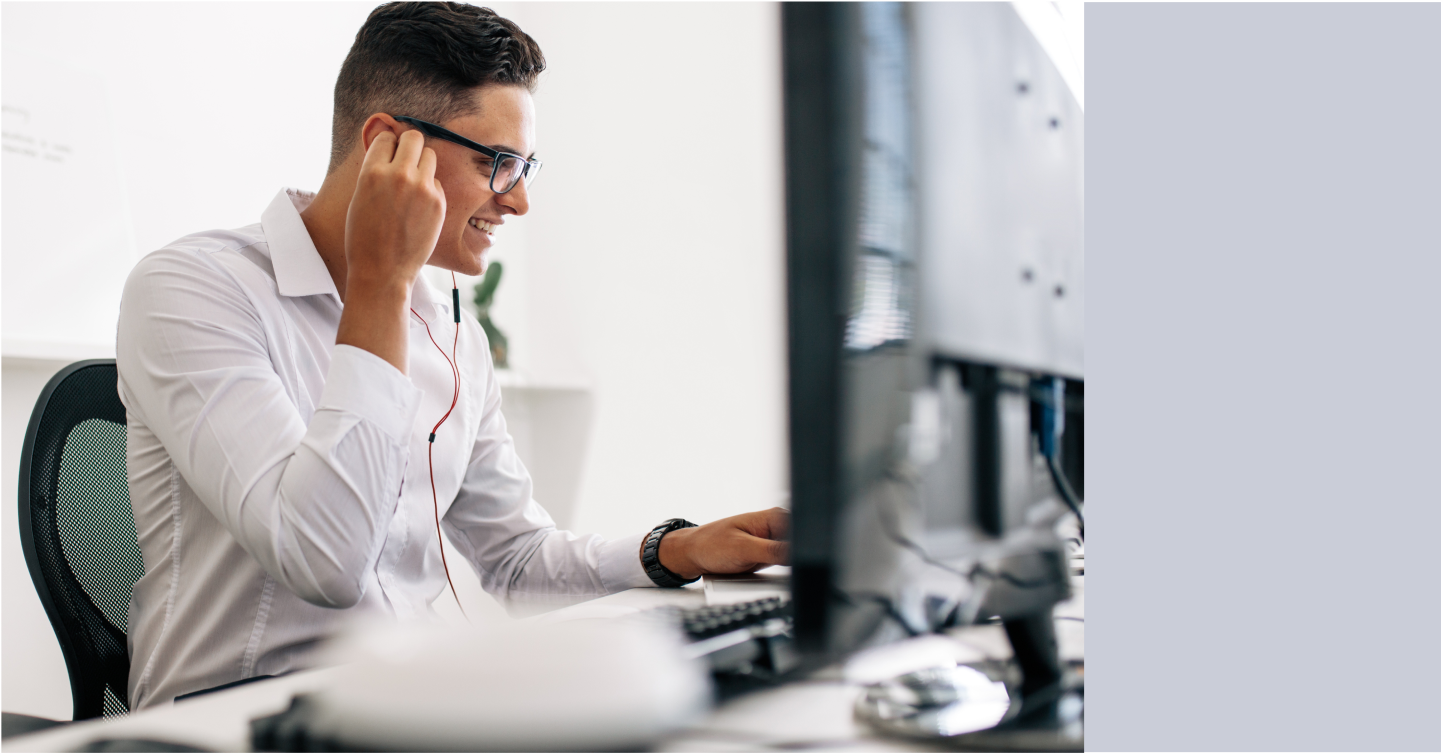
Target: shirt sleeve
310	497
512	542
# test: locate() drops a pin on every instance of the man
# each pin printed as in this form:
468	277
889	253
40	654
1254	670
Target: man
305	412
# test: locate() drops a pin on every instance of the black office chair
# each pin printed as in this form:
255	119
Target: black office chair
78	531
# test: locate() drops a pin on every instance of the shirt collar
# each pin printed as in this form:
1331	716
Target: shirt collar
423	295
299	270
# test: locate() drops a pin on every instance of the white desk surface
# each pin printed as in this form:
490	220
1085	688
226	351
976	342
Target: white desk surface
817	711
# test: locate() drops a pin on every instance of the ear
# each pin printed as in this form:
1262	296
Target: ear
375	125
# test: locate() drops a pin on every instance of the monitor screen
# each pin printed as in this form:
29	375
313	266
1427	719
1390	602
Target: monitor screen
935	291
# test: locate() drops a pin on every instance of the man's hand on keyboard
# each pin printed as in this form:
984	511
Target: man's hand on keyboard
738	544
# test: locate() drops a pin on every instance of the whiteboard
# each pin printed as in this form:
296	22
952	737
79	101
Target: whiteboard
67	240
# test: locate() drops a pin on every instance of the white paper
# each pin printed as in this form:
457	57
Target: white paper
67	238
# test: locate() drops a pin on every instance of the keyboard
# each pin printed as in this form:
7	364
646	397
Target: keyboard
750	638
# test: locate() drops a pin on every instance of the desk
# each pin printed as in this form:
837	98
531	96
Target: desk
817	709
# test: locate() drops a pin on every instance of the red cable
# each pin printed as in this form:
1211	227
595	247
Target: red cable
430	447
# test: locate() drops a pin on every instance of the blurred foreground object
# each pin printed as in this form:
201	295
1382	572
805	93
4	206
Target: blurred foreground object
934	197
582	685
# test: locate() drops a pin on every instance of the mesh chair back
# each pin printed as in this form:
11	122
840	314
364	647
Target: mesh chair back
78	531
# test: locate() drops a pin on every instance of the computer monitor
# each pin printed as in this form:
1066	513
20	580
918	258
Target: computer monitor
935	300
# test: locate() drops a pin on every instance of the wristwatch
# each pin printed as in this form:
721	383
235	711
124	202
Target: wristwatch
650	555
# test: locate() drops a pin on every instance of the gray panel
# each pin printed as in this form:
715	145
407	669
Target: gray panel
1000	169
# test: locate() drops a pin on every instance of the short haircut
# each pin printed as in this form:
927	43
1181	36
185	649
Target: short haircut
425	60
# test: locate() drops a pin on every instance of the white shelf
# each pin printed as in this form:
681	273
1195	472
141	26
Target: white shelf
59	352
516	380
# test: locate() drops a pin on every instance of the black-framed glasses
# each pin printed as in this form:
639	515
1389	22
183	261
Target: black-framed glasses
506	169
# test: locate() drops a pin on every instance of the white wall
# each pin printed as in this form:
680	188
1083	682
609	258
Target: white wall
666	290
663	296
32	672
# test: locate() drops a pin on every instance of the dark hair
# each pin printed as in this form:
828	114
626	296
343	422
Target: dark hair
425	60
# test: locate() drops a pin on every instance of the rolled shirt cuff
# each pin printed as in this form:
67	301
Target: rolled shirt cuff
620	564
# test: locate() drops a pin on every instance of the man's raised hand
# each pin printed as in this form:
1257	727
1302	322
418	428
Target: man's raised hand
396	212
391	230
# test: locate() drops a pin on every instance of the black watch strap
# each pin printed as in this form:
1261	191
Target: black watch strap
650	554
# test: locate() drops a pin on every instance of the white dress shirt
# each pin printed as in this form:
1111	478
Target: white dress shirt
280	481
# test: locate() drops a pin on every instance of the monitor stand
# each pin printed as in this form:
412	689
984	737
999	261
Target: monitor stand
1051	703
981	706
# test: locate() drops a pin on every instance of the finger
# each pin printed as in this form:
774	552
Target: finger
380	151
766	551
765	523
427	166
780	520
408	151
443	210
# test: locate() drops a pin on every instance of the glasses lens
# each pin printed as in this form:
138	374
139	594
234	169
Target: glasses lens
507	174
532	173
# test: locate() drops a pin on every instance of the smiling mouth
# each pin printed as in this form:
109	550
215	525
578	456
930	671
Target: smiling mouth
482	225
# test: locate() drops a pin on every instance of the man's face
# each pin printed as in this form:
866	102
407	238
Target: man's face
505	122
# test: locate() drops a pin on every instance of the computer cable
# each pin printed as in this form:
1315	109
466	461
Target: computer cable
1052	398
891	529
430	446
886	604
1068	495
966	611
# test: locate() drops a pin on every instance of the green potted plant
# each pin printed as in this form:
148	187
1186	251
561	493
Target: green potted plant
484	296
